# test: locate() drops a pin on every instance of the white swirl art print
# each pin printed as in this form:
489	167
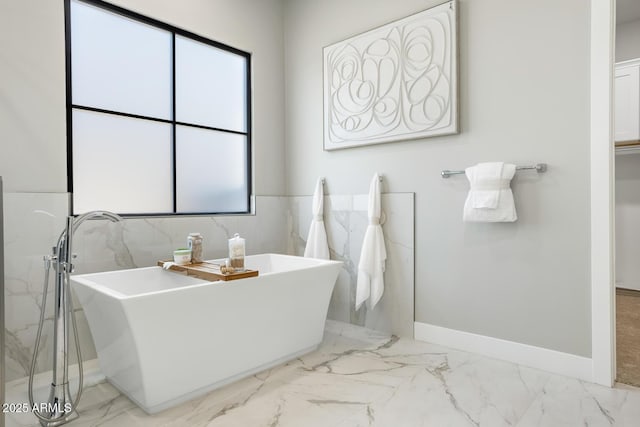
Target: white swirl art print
395	82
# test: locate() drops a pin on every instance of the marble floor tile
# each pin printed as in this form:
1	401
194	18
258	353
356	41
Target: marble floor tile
569	402
359	377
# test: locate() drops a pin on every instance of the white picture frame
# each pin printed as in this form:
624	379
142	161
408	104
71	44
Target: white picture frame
393	83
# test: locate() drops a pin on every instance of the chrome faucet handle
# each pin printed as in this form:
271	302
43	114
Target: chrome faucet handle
71	266
47	261
67	267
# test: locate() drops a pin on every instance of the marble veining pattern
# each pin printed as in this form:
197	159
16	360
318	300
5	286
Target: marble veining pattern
345	218
33	223
363	378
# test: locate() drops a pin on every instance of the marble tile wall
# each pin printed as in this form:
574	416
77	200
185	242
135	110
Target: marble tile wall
33	222
346	221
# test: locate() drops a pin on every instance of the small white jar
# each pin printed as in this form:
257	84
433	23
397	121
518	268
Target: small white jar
182	256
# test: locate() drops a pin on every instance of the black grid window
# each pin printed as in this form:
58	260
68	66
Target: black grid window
158	118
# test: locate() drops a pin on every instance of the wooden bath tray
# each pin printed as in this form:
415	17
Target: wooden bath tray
209	271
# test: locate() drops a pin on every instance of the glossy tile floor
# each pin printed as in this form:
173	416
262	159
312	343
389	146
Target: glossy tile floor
359	377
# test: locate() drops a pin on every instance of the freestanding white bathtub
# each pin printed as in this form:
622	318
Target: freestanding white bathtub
163	338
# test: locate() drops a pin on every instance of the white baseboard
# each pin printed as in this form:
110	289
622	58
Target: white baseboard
557	362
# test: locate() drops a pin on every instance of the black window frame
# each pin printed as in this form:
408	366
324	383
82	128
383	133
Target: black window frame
175	31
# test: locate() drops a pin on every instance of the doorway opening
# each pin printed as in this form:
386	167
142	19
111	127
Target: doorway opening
627	191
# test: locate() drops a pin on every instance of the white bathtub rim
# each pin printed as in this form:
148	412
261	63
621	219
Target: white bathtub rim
120	296
86	279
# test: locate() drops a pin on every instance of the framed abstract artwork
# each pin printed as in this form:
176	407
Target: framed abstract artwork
395	82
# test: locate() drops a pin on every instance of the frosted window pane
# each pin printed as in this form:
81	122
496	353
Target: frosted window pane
210	86
211	171
121	164
120	64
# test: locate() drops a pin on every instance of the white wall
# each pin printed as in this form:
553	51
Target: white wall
524	98
32	96
628	40
32	87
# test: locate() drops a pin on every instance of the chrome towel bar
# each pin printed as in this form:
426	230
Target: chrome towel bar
540	167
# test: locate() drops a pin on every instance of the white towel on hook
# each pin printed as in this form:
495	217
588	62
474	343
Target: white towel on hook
490	198
317	246
370	283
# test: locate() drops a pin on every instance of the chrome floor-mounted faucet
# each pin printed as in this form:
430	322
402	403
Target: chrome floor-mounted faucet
61	407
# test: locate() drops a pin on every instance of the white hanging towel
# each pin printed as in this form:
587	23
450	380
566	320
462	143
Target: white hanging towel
317	246
370	283
490	198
